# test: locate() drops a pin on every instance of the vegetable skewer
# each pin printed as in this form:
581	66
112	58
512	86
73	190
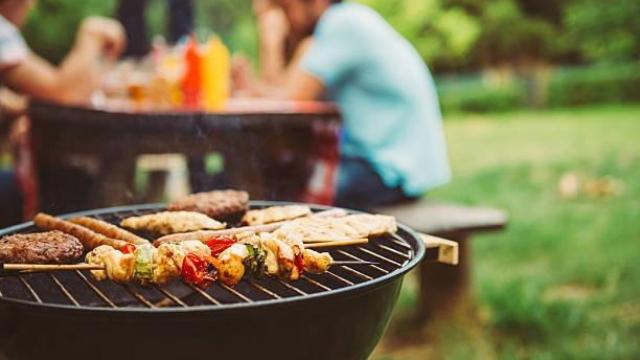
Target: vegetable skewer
10	269
231	258
150	265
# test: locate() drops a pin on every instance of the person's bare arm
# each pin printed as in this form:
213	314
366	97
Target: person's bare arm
304	86
79	73
294	84
273	29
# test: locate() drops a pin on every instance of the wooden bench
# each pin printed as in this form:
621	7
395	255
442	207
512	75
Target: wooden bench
444	287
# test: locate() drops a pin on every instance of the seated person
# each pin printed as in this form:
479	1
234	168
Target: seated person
79	73
393	147
280	51
27	74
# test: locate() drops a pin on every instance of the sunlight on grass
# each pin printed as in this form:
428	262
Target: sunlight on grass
563	280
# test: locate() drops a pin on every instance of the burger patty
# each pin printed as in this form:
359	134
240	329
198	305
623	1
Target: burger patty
222	205
51	247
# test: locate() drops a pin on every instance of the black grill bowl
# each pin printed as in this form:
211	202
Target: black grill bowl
342	323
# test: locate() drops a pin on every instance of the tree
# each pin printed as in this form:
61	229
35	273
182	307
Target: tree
509	35
51	26
443	35
605	30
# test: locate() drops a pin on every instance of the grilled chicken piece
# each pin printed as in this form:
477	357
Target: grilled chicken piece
119	267
170	222
315	262
168	259
275	214
167	263
270	247
276	258
284	264
195	247
230	264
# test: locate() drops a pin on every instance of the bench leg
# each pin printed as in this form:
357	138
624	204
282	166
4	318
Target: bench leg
443	288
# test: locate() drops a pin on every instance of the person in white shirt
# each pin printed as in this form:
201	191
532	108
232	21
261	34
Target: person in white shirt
25	73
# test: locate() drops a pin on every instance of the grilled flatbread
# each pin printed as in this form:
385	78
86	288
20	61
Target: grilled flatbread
171	222
316	229
274	214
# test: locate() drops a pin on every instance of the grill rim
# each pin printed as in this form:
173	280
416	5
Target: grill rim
419	251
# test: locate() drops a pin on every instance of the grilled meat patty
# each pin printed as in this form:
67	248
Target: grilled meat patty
222	205
51	247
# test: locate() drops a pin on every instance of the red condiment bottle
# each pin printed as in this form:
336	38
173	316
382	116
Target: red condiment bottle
192	79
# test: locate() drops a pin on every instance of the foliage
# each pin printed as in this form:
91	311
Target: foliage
454	34
233	20
441	34
480	97
449	34
51	26
510	35
607	83
605	30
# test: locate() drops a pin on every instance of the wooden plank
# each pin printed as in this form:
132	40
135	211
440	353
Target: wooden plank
447	249
432	218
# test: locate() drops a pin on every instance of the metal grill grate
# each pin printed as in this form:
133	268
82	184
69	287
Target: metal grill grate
78	289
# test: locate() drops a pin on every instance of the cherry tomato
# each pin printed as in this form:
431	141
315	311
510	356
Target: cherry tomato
128	249
298	259
219	244
195	270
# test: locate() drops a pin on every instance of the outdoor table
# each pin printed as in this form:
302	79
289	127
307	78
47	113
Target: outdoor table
273	150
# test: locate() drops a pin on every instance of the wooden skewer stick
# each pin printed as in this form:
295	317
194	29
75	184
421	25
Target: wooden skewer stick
354	262
328	244
49	267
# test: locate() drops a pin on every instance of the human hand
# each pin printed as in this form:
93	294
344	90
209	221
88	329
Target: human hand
18	131
242	75
108	33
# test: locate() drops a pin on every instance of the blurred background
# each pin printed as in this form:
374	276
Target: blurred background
542	116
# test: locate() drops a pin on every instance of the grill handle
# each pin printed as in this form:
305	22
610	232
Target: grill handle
447	249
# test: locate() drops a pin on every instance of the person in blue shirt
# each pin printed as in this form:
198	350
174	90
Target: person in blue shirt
393	147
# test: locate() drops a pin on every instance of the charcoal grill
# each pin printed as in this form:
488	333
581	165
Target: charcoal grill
337	315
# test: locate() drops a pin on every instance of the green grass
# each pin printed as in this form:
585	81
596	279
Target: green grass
563	281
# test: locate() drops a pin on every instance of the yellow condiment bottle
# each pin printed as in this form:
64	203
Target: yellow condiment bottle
216	71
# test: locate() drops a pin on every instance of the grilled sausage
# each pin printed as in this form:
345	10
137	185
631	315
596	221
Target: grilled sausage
109	230
88	238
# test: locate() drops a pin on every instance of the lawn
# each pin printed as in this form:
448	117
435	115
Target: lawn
563	281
